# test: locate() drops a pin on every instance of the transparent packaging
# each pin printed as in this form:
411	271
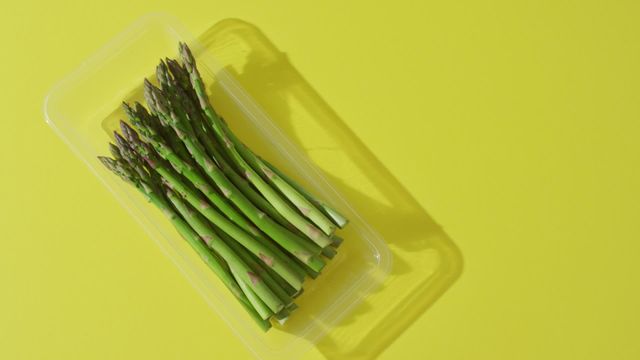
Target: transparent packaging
84	108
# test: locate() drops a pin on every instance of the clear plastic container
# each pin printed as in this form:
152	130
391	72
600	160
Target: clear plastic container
84	109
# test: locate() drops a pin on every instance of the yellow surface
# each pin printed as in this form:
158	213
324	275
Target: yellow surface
514	125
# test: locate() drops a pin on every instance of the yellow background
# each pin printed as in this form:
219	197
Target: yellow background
514	124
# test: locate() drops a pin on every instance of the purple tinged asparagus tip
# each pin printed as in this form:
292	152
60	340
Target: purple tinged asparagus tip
128	110
160	101
148	96
148	87
187	57
179	73
124	127
109	163
120	141
140	109
128	132
162	73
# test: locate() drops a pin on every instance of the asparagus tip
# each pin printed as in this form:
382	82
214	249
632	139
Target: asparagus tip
128	132
173	65
160	100
140	109
115	151
187	56
126	107
108	162
162	74
120	141
148	95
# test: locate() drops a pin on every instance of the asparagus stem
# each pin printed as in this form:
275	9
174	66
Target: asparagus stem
233	149
268	255
262	309
338	219
261	202
183	228
310	272
292	292
256	267
238	267
302	204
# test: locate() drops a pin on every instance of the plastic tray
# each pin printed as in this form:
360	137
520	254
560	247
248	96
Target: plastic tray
84	108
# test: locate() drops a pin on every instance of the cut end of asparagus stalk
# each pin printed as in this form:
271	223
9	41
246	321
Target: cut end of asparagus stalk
337	241
298	293
340	220
330	252
282	315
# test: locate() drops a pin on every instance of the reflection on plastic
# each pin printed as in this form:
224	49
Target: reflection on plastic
426	262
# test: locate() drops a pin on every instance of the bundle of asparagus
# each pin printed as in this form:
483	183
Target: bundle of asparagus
255	228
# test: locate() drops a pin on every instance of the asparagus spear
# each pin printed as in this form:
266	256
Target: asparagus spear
256	267
338	219
238	267
233	150
142	184
302	203
185	132
268	255
254	299
180	86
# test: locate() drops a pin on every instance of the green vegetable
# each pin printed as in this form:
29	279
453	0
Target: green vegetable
272	258
143	185
175	116
255	228
234	149
238	267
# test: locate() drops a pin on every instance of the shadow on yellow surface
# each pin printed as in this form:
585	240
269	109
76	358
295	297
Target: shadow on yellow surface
426	261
